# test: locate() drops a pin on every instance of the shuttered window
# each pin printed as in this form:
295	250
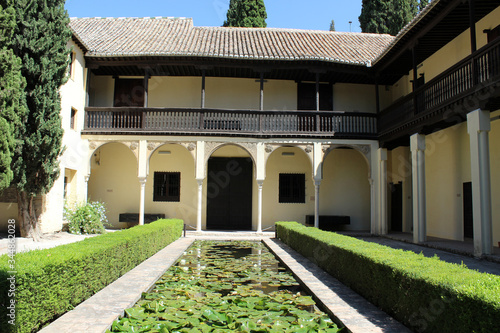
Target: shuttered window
167	186
292	188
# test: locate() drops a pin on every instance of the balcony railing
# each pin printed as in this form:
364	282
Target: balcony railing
463	80
229	122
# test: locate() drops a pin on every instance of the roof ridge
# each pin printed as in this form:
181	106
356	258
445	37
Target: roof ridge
133	18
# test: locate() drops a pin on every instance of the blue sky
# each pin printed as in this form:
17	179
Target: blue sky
295	14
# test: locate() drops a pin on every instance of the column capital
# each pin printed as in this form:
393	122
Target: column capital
382	154
478	121
260	182
142	180
417	142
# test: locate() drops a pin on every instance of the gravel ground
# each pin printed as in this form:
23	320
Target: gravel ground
47	241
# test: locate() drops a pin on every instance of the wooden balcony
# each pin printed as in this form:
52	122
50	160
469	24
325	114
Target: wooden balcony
470	84
163	121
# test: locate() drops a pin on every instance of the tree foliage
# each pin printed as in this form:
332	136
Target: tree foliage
388	16
12	111
40	39
332	25
246	13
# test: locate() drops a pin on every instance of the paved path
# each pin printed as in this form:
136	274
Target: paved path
481	265
350	309
98	312
47	241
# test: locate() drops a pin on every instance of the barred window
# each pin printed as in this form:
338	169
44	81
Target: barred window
167	186
292	188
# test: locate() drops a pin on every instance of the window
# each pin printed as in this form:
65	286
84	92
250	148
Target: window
306	96
167	186
72	123
129	92
292	188
72	57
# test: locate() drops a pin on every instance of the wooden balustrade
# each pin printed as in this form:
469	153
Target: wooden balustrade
260	123
462	80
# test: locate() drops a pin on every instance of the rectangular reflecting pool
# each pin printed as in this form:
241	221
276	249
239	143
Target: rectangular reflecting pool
222	286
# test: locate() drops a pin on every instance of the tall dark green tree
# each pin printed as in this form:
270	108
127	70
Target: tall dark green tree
40	39
374	16
12	111
388	16
332	25
246	13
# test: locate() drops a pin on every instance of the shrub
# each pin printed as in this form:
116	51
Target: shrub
86	218
50	282
426	294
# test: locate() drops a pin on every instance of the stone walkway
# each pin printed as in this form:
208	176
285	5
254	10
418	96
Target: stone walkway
98	313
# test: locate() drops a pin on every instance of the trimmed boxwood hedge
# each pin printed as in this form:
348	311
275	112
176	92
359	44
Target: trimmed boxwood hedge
426	294
53	281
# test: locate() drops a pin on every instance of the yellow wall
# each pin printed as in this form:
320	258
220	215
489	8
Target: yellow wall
273	211
447	167
231	93
495	175
354	97
345	189
114	181
174	92
179	160
280	95
102	90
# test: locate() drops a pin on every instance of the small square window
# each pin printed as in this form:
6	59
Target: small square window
167	186
72	124
292	188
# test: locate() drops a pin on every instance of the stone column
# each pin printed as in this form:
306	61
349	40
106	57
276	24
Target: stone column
260	183
86	189
142	180
382	159
200	204
317	183
478	126
417	146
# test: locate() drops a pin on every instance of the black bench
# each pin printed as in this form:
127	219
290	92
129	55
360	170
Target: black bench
329	222
134	218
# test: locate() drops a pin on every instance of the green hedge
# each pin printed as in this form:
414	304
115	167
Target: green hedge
426	294
53	281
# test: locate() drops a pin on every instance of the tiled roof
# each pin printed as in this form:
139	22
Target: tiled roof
126	37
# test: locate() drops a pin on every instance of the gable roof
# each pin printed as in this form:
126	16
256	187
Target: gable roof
132	37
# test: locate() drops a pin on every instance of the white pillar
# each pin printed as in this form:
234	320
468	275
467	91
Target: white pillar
317	183
200	204
260	183
373	207
382	158
142	180
86	189
417	146
478	126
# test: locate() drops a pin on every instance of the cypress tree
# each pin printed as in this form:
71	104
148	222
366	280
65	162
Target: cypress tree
40	40
374	16
12	110
332	25
388	16
232	14
246	13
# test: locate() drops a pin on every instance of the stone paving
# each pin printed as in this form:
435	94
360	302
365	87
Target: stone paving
98	312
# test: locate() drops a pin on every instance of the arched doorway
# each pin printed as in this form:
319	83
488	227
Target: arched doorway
230	184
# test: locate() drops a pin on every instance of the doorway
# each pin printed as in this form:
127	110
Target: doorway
397	207
229	193
468	217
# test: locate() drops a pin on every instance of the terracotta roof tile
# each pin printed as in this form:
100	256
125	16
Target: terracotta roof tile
113	37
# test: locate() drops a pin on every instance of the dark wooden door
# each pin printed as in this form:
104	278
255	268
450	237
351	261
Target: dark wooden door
468	217
229	193
397	207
